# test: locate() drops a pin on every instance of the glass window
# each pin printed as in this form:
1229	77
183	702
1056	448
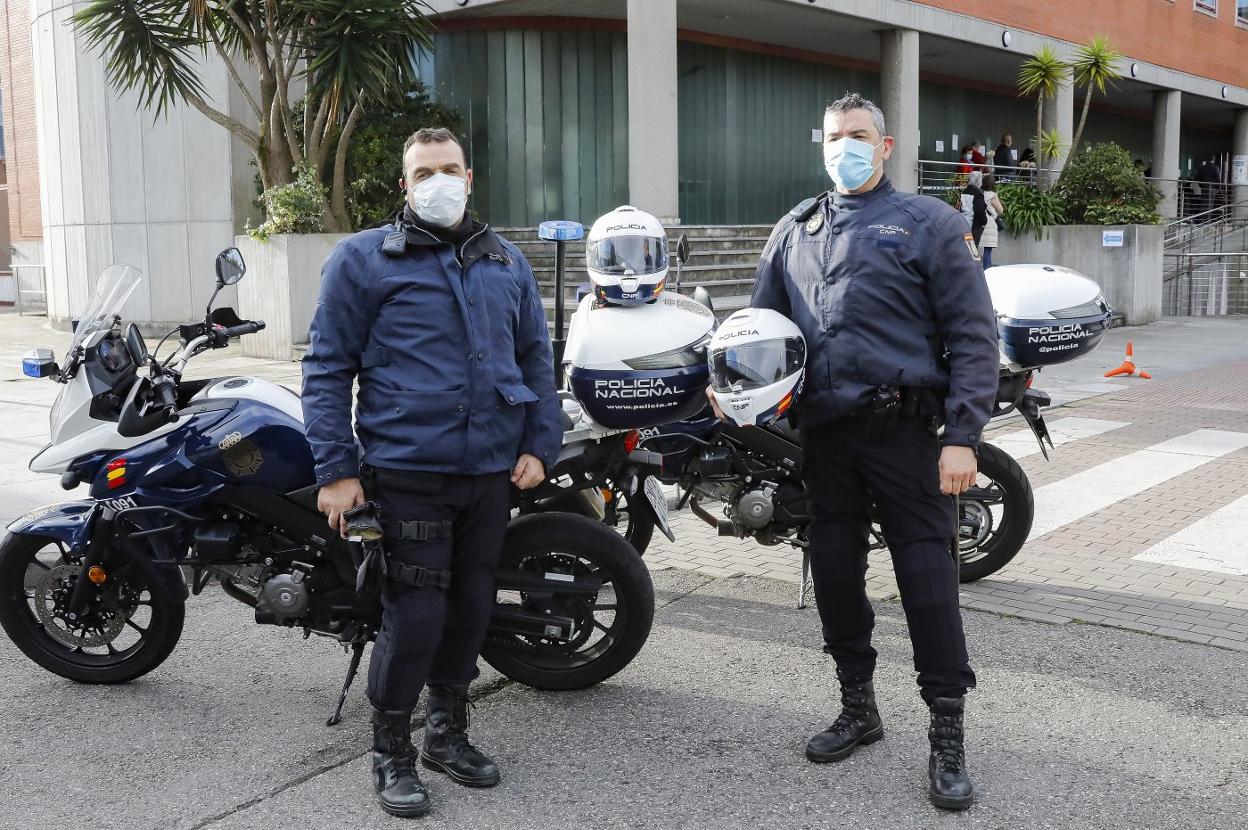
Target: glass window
1210	6
1241	11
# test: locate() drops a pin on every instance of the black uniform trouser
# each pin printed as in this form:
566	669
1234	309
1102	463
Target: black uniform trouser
845	471
429	634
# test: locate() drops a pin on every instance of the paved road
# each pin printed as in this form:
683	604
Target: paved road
1072	727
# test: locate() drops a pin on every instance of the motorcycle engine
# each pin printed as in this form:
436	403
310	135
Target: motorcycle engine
764	509
284	595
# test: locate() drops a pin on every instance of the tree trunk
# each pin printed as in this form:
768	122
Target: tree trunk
337	217
1083	119
1040	172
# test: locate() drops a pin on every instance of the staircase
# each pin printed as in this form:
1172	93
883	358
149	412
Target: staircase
722	259
1205	263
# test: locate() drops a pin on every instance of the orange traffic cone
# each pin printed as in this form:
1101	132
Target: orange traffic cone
1127	367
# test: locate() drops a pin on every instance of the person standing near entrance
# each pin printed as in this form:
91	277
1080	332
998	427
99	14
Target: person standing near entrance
1003	156
441	321
974	208
889	294
994	209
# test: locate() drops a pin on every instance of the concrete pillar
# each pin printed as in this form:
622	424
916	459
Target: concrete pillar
1059	114
653	171
1167	104
899	98
117	186
1239	150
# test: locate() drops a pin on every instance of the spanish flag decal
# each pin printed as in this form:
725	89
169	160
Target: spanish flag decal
116	473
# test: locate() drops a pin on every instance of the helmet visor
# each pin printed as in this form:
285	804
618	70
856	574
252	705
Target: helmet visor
755	365
620	255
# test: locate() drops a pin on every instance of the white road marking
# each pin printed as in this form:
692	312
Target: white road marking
1062	502
1022	443
1218	542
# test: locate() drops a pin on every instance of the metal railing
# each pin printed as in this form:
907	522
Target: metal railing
32	293
1203	284
1202	201
937	178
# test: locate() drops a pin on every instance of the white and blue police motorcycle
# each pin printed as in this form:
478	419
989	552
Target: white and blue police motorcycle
199	482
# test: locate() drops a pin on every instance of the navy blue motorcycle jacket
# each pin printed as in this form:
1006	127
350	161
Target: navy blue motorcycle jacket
450	347
887	288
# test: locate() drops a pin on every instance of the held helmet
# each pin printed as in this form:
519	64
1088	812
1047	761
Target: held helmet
626	256
757	360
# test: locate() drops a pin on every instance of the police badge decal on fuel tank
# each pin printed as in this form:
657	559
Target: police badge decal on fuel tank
814	223
241	457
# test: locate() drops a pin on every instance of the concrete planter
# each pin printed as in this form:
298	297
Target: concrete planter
1129	276
282	282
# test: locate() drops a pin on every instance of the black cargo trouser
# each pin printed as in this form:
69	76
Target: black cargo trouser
429	634
845	472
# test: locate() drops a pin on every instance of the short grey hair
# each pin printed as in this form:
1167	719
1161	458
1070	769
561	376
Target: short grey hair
854	101
975	178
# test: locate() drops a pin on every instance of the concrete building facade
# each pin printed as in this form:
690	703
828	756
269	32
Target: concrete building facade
706	111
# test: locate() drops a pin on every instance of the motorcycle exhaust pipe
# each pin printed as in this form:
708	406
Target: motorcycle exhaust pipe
511	620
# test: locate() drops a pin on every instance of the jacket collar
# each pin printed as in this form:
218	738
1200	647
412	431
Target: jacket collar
480	241
856	201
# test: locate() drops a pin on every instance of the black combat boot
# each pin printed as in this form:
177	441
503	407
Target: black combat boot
399	788
447	748
946	768
858	723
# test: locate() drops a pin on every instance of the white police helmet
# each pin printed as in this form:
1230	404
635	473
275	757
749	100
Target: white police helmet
758	361
626	256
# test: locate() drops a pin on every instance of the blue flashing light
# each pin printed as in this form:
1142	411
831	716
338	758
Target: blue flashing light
560	230
32	369
38	363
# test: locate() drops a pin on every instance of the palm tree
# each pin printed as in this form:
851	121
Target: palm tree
1042	75
346	54
1094	66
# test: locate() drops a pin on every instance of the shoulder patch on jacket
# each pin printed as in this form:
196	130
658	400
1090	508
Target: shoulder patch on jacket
969	239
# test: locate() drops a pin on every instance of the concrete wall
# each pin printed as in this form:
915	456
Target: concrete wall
118	186
1130	276
281	286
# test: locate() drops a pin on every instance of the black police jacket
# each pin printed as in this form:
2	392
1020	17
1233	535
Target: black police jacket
887	288
450	347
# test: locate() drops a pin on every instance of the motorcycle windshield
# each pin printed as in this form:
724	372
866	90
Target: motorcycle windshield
114	286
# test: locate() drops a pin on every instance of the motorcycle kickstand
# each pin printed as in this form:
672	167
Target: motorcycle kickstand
805	586
357	651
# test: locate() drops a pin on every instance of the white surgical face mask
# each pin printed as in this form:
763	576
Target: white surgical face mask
439	200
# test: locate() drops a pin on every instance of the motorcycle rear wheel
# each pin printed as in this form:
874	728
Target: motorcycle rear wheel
113	644
1001	506
612	624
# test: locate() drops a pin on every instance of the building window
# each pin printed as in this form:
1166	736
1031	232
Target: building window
1241	12
1208	6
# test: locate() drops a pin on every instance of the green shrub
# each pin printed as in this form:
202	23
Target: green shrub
1101	186
298	207
1028	209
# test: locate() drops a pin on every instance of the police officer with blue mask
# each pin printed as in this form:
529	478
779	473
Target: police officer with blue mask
889	293
441	322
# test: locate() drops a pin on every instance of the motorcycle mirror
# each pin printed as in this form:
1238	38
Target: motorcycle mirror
136	345
701	295
230	266
682	249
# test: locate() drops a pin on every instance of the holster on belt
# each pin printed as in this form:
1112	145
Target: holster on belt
890	404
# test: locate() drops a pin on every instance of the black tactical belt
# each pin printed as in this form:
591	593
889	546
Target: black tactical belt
418	531
417	576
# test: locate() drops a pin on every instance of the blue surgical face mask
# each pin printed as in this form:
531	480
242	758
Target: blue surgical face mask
849	162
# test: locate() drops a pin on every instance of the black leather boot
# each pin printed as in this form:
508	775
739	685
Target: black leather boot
858	723
399	788
447	749
946	768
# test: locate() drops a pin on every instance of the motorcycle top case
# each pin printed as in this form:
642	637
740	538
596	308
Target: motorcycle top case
640	366
1046	314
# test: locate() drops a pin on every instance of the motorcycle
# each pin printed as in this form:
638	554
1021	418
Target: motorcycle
200	481
1046	315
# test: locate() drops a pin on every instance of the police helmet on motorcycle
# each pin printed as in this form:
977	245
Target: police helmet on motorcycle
757	360
626	256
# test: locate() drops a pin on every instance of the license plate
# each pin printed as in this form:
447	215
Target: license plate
658	503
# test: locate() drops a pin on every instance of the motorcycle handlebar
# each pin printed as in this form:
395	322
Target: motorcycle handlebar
250	327
167	394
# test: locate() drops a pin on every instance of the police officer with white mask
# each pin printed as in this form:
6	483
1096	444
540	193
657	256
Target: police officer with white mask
441	322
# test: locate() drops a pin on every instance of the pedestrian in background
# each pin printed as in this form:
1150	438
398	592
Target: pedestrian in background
966	157
988	240
1003	158
973	206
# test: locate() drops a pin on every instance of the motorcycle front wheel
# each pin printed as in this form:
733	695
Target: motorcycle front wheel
124	631
611	624
996	515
